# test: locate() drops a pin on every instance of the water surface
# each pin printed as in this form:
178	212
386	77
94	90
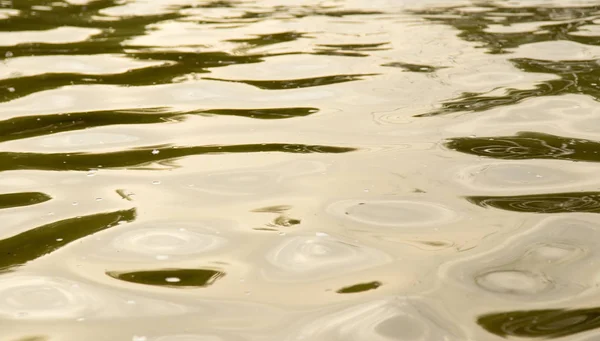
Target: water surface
191	170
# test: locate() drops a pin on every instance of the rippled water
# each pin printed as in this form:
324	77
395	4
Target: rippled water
191	170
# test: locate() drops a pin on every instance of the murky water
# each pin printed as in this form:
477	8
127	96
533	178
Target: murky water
187	170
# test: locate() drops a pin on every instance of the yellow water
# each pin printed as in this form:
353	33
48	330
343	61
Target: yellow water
188	170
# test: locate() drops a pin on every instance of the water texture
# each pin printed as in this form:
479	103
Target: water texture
196	170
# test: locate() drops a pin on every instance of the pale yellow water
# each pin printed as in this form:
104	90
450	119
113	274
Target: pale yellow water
352	170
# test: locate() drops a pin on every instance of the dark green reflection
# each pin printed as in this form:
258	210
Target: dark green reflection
549	323
555	23
285	221
22	199
413	67
359	288
297	83
39	125
350	50
109	40
144	156
174	65
528	145
267	113
171	277
575	77
338	13
270	39
543	203
37	242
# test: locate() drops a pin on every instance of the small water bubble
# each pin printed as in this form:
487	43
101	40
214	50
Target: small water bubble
366	190
59	239
162	257
321	234
173	279
130	302
156	182
139	338
155	151
81	319
281	233
50	213
8	54
242	280
11	89
247	293
98	199
75	203
92	172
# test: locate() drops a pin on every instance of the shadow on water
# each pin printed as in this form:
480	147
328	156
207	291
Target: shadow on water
142	157
549	323
553	24
528	145
11	200
175	278
542	203
37	242
39	125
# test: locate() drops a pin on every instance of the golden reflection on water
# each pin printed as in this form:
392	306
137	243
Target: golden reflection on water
187	170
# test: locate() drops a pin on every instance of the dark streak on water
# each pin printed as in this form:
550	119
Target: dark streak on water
181	278
550	323
39	241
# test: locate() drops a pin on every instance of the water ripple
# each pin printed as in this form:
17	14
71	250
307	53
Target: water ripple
142	157
392	213
528	145
543	203
36	297
380	320
310	258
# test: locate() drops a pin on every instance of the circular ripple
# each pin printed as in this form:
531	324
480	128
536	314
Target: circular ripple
160	240
37	297
513	282
555	253
379	321
167	241
500	176
322	257
392	213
